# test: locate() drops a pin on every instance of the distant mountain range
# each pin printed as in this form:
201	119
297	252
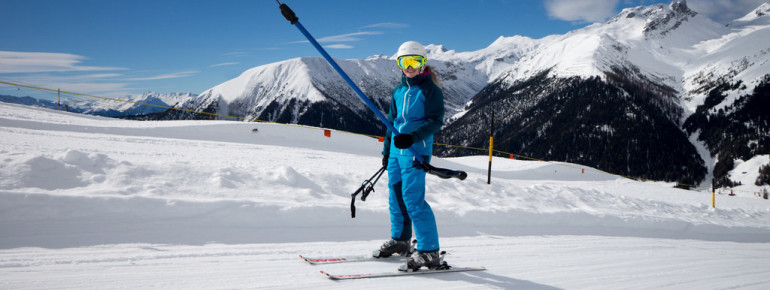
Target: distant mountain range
657	92
129	106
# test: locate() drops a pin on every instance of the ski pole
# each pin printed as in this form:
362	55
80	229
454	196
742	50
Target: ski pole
292	18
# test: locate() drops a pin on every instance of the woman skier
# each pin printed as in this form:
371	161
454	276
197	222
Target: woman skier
417	112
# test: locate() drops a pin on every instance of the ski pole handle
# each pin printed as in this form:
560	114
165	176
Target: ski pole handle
287	13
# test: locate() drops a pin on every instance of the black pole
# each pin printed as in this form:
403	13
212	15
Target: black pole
491	141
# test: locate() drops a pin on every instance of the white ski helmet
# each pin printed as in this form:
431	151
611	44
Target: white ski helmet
411	48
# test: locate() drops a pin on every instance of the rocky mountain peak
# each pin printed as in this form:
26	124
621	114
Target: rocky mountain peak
665	19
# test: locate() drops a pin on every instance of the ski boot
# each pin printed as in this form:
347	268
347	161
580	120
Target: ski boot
431	260
391	247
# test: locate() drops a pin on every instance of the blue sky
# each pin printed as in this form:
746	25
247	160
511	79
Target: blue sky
117	47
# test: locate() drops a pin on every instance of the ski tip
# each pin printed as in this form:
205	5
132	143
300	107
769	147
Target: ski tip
327	275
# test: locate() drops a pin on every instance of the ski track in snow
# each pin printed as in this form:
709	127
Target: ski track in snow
533	262
96	203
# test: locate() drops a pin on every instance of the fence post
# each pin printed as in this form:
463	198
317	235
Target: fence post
491	141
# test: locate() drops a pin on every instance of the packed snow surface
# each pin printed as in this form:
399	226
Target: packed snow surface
97	203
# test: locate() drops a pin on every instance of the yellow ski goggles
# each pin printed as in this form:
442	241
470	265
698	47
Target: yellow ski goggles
408	61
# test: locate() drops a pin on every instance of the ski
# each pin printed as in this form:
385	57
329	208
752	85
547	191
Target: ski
347	259
399	273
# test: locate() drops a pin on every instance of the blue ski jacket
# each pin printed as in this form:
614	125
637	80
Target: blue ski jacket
416	108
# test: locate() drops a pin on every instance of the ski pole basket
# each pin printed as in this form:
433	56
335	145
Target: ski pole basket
366	187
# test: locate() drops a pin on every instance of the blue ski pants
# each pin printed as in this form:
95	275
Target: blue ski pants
407	204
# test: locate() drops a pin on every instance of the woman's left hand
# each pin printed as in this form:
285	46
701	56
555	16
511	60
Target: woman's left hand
403	141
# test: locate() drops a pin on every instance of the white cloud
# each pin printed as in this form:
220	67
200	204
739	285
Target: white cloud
71	78
581	10
181	74
343	37
237	53
98	89
223	64
724	11
387	25
94	84
36	62
64	71
339	46
347	37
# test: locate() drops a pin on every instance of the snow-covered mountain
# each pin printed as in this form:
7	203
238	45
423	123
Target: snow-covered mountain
613	95
131	106
308	91
616	94
145	103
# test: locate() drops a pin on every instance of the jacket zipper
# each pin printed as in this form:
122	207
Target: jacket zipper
404	107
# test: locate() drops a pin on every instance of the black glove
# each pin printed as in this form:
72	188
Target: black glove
403	141
385	160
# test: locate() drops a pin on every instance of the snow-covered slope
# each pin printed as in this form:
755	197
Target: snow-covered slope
95	203
742	54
